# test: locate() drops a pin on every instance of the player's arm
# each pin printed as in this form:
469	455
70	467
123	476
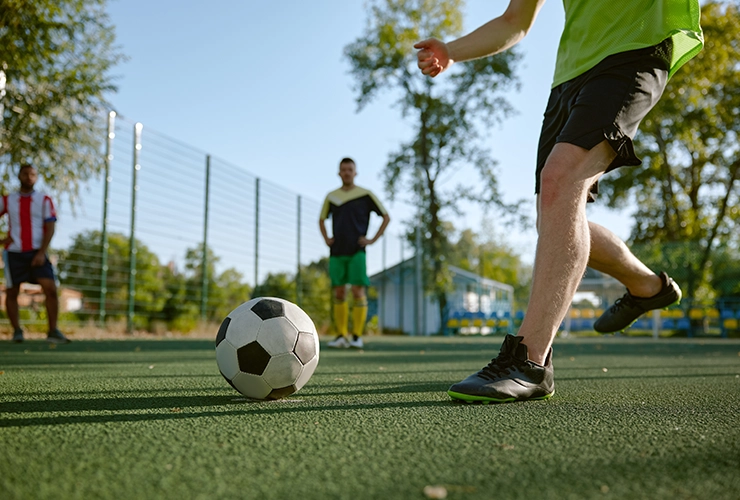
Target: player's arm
493	37
40	257
364	241
322	228
4	210
325	210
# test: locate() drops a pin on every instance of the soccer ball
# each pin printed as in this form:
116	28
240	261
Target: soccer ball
267	348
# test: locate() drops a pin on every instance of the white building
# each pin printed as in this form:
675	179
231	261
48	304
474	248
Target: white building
402	306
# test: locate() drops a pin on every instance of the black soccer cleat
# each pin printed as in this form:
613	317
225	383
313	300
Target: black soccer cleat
18	336
57	337
628	308
508	377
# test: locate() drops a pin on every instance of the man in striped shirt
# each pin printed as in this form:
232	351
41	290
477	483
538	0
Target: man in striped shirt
31	220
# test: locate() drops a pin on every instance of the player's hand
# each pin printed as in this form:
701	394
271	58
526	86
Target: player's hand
329	241
433	57
38	259
363	242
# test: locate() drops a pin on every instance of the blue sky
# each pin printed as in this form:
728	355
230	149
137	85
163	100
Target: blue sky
264	85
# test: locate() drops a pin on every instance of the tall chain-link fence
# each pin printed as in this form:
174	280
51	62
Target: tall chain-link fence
170	238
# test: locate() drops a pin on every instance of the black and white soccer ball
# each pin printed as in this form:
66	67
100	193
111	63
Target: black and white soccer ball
267	348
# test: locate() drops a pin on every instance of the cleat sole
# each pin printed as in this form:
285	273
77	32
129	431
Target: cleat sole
470	399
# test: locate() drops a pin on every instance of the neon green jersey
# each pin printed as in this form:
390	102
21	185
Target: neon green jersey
595	29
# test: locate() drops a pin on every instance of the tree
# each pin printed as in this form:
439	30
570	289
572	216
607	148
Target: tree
225	290
56	59
80	267
687	191
315	290
230	290
486	256
446	114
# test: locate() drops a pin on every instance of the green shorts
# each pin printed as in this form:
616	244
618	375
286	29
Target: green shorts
348	269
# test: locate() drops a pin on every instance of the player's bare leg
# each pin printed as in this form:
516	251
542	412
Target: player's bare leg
11	307
523	369
610	255
51	301
52	311
645	289
564	240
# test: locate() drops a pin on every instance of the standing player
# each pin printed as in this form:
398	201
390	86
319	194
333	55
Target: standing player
349	207
31	220
613	63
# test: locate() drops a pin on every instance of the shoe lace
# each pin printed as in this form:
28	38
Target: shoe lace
623	302
500	365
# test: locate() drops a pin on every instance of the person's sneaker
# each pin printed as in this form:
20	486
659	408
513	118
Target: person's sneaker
508	377
356	342
628	308
340	342
18	336
57	337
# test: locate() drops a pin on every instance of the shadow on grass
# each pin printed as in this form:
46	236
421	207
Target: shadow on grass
126	345
156	402
178	407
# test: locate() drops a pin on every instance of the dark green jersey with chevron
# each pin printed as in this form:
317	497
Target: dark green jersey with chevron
596	29
350	216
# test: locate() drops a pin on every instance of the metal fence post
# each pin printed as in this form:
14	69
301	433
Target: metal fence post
204	257
256	231
104	231
383	278
298	285
132	239
401	290
417	284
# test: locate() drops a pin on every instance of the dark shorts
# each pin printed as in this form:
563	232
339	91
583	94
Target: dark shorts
607	102
18	268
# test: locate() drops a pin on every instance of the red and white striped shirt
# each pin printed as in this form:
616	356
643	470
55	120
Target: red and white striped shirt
27	213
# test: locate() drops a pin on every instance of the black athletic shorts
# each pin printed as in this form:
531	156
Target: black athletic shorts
607	102
18	268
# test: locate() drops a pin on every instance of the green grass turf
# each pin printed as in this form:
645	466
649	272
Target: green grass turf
631	418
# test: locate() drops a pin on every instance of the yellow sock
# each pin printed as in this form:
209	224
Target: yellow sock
359	316
341	317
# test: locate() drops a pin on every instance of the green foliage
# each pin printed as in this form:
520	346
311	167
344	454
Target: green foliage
315	290
80	268
280	285
446	113
56	58
726	272
687	191
225	291
485	255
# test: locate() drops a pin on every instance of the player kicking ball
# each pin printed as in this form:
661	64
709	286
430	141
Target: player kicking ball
613	63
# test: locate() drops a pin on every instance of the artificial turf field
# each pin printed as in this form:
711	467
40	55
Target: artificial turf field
631	418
